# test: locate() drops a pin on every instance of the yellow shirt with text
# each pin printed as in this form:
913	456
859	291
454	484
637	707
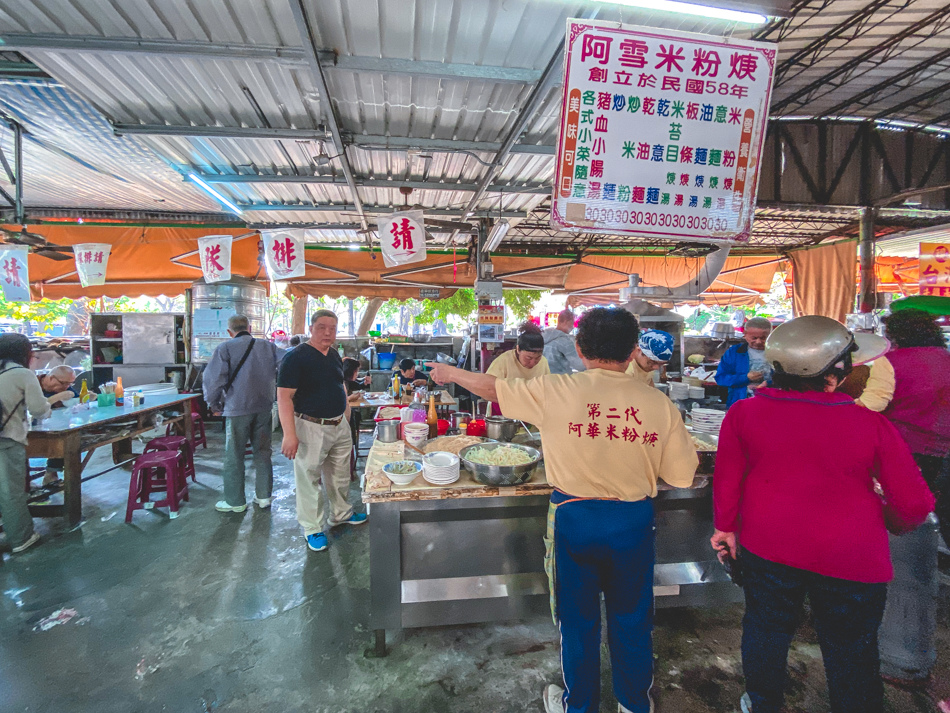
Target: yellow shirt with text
645	377
507	366
604	434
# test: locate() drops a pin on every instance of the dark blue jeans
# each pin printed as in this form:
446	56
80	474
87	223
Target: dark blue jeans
604	546
846	615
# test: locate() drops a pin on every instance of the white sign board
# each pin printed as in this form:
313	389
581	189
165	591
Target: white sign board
215	253
284	255
402	238
661	132
92	259
15	273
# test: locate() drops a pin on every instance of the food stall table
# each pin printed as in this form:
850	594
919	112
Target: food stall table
68	432
444	405
468	553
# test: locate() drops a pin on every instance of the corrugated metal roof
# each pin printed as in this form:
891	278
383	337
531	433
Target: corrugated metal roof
242	63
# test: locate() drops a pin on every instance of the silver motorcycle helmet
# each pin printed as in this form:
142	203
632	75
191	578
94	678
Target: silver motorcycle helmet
810	346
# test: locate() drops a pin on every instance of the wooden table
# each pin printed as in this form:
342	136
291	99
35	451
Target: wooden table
68	432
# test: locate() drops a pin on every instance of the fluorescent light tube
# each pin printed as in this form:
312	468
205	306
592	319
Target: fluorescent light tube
498	232
214	193
688	8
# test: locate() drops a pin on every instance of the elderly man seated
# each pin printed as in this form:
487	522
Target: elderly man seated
58	380
57	387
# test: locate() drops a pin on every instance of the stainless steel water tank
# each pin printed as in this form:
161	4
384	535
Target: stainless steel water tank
243	296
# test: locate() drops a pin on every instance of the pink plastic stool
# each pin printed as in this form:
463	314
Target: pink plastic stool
198	431
154	472
180	444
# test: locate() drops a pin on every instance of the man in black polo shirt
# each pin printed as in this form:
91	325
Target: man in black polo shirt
314	415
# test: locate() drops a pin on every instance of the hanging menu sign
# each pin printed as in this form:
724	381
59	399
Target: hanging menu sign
661	132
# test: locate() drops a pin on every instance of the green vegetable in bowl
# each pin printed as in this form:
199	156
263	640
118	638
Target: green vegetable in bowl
402	467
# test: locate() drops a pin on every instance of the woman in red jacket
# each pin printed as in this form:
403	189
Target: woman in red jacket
795	486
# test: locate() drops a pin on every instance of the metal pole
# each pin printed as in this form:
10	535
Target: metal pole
18	168
866	298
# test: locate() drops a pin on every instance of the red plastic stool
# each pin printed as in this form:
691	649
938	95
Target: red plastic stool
180	444
198	431
155	472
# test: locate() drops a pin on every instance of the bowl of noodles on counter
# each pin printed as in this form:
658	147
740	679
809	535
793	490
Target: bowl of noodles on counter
497	463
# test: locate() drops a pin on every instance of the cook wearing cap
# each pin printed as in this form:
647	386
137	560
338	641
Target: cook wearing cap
607	442
653	350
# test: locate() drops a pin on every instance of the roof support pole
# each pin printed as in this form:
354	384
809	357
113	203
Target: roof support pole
866	298
333	124
18	171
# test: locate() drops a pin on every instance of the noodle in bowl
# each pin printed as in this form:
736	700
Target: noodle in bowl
502	468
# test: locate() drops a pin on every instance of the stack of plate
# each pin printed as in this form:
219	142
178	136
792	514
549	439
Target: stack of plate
707	420
440	468
697	392
678	390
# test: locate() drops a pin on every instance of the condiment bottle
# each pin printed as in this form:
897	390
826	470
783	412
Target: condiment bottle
83	392
432	419
463	428
119	393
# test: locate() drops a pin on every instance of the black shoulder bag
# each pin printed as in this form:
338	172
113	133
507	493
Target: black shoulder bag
238	368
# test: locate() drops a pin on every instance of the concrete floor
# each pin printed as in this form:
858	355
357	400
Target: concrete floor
215	612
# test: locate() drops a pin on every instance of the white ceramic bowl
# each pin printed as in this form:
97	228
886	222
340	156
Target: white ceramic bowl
402	478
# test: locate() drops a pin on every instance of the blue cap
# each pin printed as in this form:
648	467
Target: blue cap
657	345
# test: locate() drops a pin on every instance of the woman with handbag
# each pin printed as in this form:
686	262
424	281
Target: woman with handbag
19	392
794	488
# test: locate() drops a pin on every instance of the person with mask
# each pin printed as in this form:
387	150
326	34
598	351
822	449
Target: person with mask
653	350
743	368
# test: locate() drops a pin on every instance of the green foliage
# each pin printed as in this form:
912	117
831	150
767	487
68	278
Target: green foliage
520	303
42	314
462	304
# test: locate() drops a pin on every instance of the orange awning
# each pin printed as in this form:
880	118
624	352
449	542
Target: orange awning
164	261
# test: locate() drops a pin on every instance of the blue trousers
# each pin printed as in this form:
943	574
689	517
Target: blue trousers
847	616
604	546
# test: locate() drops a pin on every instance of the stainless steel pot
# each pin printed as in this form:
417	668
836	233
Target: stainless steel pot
499	428
500	474
387	431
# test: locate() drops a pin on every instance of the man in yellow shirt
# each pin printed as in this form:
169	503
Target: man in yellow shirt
607	440
653	350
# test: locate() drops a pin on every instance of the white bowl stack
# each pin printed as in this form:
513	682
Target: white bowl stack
679	391
707	420
416	434
440	468
697	392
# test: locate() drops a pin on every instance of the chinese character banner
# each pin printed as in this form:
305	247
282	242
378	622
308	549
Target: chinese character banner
935	269
16	276
92	259
402	238
661	132
284	255
215	253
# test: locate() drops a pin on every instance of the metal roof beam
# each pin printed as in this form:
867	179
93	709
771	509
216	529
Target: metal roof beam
910	72
405	143
24	42
423	68
218	132
299	12
375	209
928	23
526	188
929	94
815	46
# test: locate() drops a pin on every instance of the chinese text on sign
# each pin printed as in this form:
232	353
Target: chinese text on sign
661	132
935	269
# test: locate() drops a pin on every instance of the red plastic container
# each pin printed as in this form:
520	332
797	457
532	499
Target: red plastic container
476	427
443	426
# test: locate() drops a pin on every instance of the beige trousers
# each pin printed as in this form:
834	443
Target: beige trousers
323	461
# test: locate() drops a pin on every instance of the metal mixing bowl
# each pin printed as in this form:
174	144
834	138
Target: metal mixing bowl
500	474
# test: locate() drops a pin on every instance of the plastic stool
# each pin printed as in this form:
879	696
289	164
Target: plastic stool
180	444
198	430
154	472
